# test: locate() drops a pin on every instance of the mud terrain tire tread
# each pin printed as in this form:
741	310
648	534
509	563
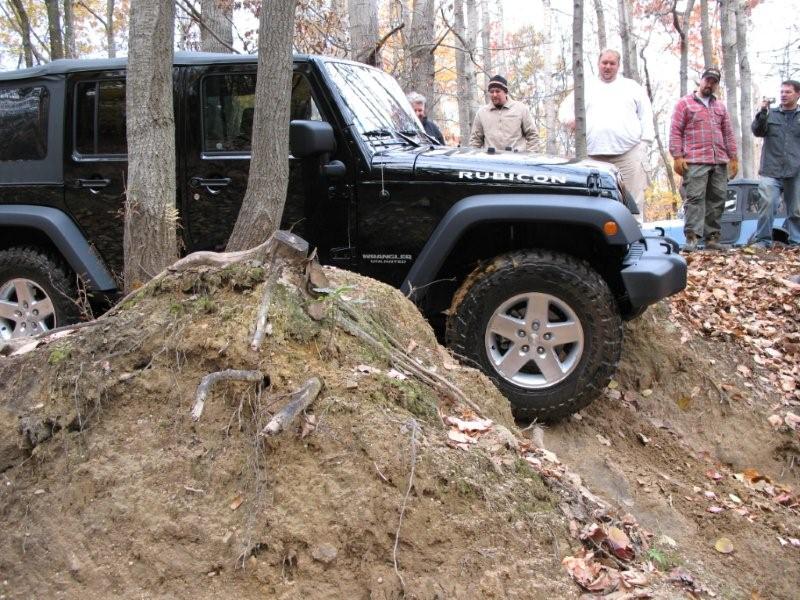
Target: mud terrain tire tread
563	276
52	275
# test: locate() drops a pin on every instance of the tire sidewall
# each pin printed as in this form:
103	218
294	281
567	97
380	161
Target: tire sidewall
45	272
578	288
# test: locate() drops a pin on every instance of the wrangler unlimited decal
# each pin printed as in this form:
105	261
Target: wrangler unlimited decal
520	177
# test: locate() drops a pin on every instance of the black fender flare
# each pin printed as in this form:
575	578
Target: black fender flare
590	211
61	230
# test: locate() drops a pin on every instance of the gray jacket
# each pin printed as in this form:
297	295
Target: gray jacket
780	156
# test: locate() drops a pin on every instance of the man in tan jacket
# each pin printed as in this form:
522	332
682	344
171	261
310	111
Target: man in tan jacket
503	124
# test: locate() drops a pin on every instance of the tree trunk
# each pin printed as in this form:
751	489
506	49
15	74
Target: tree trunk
462	75
502	60
630	63
577	70
661	149
363	16
24	30
682	25
486	44
111	46
54	29
727	17
550	57
150	213
602	38
472	49
216	29
262	207
742	22
69	30
705	34
419	51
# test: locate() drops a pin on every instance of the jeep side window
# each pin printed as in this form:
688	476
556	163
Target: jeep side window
228	106
23	123
100	118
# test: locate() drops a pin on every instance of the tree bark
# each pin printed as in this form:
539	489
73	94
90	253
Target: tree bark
662	151
150	239
682	24
363	16
630	63
24	29
746	105
727	17
54	29
264	199
420	57
111	46
705	34
69	30
486	45
216	30
602	38
463	80
577	71
550	57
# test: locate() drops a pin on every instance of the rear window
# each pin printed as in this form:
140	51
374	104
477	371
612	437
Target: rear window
23	123
100	118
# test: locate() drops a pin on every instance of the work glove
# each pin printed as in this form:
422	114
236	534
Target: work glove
733	168
679	166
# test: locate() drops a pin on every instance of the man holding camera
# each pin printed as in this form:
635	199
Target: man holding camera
780	163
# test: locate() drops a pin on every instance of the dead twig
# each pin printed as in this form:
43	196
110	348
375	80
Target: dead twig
414	431
210	379
298	402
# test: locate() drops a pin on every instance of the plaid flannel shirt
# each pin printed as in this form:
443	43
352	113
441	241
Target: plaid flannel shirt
701	134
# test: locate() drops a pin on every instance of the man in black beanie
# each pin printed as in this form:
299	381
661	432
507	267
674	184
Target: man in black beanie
503	123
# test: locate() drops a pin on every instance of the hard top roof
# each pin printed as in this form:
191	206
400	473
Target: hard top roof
71	65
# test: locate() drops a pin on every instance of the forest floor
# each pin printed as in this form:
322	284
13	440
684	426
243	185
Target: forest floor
681	481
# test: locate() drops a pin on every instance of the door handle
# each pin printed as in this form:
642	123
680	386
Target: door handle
93	185
213	186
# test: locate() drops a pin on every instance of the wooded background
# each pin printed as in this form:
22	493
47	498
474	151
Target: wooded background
447	50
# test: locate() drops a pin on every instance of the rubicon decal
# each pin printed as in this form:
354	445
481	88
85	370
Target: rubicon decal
518	177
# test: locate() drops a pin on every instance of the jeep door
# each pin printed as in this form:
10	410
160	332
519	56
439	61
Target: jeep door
731	219
217	128
95	161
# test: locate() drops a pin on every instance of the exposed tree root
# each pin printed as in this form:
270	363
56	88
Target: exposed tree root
298	402
227	375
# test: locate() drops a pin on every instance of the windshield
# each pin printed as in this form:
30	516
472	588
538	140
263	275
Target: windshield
380	108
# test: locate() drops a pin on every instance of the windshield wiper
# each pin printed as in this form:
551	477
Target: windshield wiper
425	133
376	133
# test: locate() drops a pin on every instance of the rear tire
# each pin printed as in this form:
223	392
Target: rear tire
37	293
543	326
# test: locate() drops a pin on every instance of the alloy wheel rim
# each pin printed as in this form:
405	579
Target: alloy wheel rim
25	309
534	340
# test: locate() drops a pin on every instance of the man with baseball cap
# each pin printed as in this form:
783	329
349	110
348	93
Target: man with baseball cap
703	149
503	124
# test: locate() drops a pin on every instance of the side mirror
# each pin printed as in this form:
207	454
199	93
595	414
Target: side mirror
311	138
335	169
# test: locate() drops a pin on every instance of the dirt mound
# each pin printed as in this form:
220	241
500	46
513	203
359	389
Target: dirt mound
116	492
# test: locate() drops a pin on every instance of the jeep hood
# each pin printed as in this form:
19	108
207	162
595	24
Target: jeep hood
470	165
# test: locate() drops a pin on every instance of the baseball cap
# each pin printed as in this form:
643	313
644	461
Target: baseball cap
712	73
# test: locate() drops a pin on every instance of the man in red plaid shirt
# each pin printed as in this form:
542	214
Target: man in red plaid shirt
703	147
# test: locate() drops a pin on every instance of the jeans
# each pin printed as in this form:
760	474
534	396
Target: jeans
706	191
769	191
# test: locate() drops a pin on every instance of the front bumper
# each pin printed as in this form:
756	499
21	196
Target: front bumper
652	270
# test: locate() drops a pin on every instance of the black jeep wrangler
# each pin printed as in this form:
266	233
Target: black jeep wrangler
525	264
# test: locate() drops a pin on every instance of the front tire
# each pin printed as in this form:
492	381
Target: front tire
37	293
543	326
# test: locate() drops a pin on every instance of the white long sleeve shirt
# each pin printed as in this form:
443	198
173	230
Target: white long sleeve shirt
618	116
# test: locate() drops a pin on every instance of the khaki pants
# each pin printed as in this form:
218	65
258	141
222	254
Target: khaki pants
634	175
706	190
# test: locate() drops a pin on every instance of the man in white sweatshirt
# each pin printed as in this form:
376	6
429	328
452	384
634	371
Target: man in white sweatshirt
619	124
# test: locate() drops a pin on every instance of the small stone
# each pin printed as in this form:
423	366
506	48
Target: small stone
380	579
38	492
226	539
325	553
